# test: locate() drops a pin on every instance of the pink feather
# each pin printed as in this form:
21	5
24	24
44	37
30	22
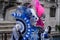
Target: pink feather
38	7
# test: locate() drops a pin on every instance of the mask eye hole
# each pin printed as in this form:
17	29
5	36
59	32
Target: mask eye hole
33	16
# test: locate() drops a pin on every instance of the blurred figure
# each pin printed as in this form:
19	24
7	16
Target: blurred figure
45	34
16	32
49	29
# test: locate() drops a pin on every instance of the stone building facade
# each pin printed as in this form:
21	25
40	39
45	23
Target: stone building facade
52	12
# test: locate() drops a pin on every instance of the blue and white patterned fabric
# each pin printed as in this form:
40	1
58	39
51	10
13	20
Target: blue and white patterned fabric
34	34
45	34
24	14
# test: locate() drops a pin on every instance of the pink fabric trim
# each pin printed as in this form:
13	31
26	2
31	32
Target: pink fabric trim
40	23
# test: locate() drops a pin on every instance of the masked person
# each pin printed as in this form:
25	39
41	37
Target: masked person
16	32
45	34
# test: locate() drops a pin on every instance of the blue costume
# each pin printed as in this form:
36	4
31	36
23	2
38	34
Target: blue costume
23	15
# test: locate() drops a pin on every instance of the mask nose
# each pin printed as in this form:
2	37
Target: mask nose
35	18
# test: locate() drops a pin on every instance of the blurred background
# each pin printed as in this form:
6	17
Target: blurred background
52	16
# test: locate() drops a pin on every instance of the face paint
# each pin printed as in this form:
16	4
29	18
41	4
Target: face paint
34	14
34	17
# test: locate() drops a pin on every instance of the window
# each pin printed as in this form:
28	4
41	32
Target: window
12	0
1	0
47	0
41	0
1	8
52	0
1	11
42	5
52	12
